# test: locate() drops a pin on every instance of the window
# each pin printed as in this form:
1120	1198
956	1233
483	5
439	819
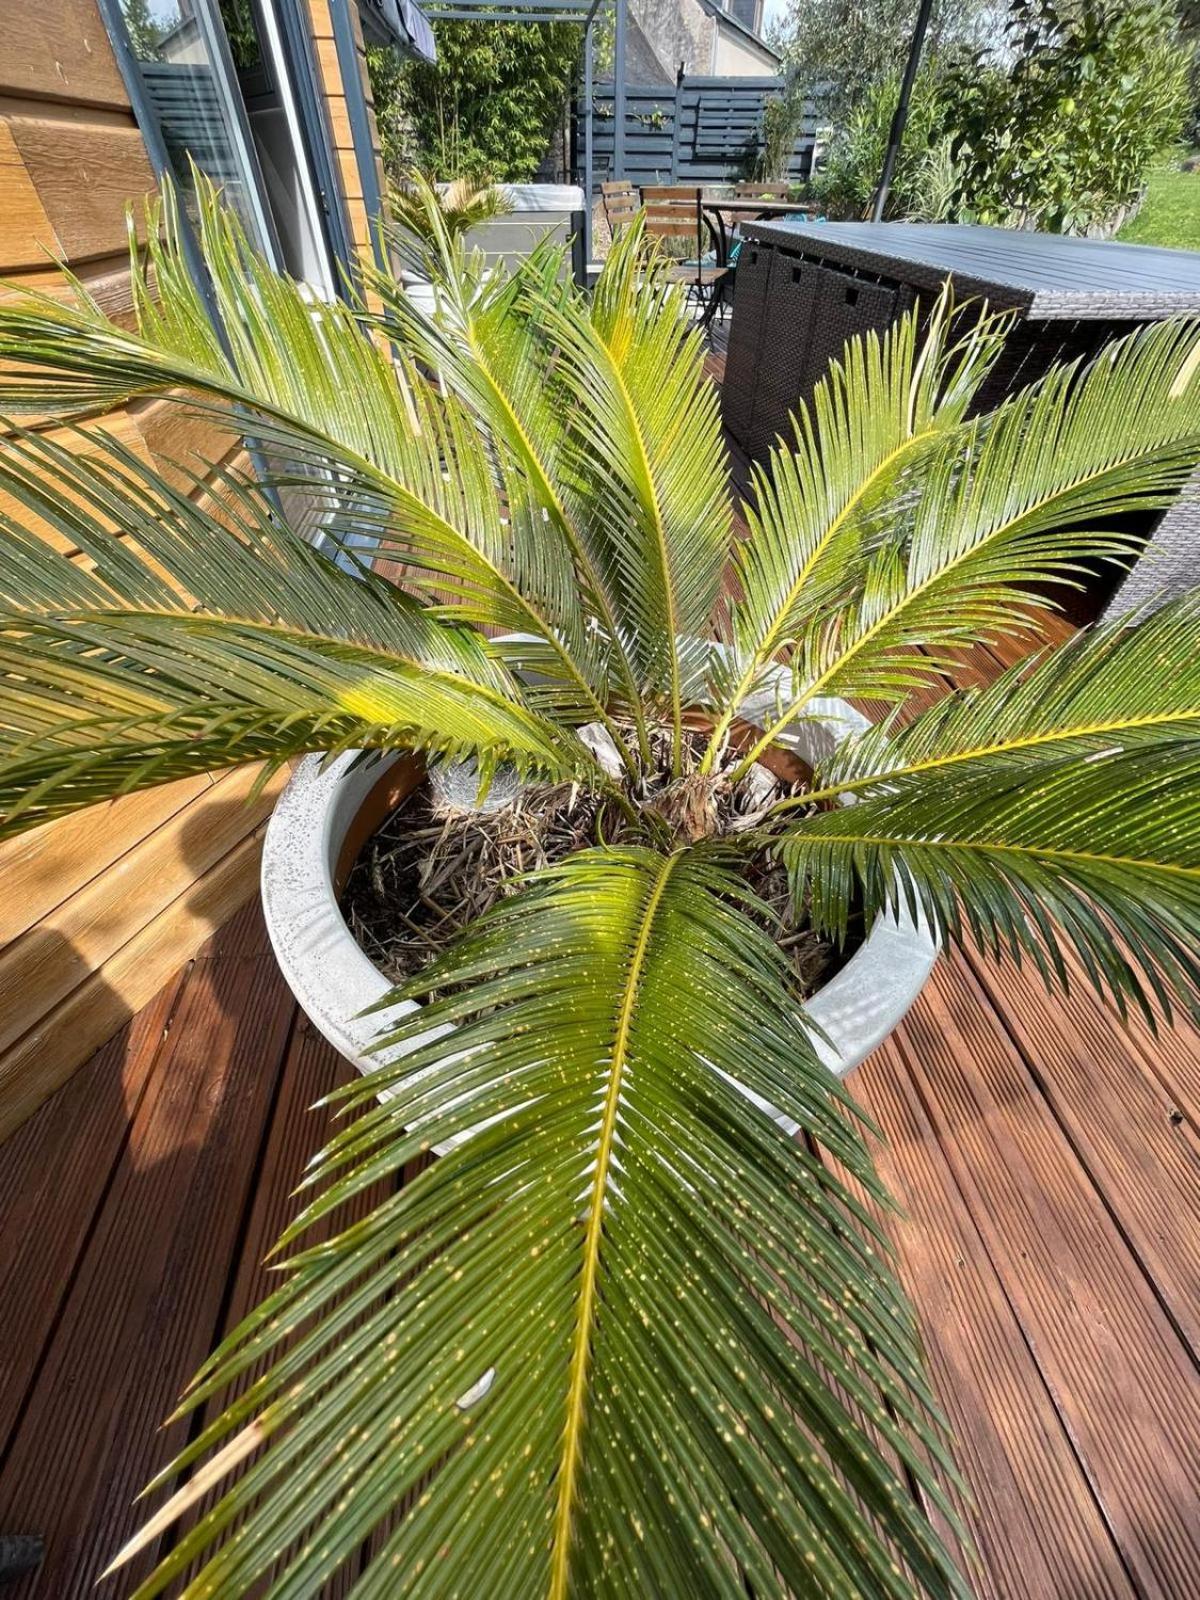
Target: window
747	12
188	77
218	86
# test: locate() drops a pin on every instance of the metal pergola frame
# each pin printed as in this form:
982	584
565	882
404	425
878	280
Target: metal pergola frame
583	13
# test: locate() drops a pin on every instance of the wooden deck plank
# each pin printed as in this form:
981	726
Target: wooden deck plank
54	1177
1173	1057
44	965
151	1287
1012	1447
1122	1380
45	1058
1118	1118
299	1127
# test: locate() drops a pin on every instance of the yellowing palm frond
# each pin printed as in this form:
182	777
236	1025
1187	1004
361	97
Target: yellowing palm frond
113	677
1127	684
1007	508
1061	805
484	343
647	453
314	389
819	509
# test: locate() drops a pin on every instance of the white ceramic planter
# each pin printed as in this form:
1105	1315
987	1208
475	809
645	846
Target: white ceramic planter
536	210
326	814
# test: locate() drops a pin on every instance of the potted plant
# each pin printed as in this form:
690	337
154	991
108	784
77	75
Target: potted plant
623	1335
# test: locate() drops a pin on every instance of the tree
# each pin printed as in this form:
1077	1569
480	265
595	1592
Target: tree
1189	31
145	34
842	47
624	1336
1063	131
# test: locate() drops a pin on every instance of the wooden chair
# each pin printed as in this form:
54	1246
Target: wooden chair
761	191
621	204
676	211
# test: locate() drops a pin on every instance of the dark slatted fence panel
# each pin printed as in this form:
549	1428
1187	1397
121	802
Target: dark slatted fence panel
705	130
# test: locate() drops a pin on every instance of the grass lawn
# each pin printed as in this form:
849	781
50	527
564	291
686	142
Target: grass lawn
1170	214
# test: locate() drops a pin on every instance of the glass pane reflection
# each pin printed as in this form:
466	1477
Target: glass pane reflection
180	46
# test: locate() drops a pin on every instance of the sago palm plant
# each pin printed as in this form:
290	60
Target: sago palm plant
624	1337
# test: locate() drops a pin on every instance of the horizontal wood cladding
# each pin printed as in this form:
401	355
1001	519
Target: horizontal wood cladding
338	119
106	280
180	442
59	51
27	238
84	177
99	909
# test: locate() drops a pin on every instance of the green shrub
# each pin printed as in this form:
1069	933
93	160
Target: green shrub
1066	133
926	180
485	110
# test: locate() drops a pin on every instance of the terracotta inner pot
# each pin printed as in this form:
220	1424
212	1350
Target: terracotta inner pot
392	786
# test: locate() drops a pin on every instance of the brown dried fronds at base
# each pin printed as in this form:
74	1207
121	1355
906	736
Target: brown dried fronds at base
428	873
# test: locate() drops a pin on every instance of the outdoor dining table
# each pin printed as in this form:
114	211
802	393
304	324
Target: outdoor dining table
744	208
802	290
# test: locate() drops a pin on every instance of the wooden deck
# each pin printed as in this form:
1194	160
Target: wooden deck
1048	1160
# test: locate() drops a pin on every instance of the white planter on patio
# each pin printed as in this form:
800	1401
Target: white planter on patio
326	814
538	209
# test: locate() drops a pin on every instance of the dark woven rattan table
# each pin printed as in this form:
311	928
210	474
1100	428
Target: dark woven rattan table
802	289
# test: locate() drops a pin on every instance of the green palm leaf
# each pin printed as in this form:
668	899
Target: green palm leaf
628	1337
1061	805
361	427
484	343
113	677
647	454
1009	505
1123	686
817	510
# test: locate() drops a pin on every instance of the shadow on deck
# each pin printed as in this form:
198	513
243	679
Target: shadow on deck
1047	1160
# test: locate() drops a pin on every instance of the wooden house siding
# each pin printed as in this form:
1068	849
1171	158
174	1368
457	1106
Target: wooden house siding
98	910
341	127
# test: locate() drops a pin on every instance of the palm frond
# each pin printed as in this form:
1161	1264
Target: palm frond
1059	807
1124	685
425	219
114	675
357	424
484	343
820	506
624	1336
647	456
1010	506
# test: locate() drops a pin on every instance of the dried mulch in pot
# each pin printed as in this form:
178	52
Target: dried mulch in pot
429	872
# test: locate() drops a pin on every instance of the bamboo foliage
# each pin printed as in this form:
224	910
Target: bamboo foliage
622	1337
